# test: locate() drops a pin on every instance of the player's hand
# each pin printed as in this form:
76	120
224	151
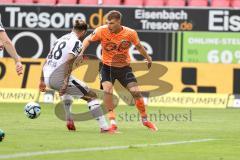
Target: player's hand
19	68
42	86
79	59
62	91
149	62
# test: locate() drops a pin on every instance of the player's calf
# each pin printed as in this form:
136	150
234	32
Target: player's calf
67	103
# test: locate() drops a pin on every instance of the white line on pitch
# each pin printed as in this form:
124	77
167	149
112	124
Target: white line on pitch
30	154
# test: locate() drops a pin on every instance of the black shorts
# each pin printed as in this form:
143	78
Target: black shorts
123	74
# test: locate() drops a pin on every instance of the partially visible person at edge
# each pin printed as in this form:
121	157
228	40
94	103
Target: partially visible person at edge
7	43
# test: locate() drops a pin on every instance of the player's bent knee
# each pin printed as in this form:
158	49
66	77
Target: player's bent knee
108	90
135	93
67	97
107	87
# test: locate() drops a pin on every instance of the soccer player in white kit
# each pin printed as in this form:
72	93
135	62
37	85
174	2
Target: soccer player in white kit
7	43
57	75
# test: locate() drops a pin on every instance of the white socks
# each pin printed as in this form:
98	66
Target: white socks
67	107
67	102
95	108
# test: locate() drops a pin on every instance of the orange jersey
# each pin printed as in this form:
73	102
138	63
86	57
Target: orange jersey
115	47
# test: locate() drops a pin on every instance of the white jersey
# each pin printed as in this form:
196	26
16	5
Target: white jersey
67	44
1	26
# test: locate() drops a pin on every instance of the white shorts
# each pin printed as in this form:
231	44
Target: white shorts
75	87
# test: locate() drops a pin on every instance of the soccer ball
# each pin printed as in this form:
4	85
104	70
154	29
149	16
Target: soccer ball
32	110
2	135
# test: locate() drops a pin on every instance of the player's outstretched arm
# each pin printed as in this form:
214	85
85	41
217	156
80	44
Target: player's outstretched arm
7	43
67	72
143	52
85	44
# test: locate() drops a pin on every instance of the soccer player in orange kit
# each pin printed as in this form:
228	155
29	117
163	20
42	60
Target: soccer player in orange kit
116	40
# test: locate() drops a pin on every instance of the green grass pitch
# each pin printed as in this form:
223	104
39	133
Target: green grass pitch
47	133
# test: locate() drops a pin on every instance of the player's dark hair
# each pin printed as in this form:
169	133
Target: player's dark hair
114	15
80	25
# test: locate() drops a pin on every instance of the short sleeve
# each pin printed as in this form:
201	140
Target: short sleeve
96	34
75	48
134	38
1	26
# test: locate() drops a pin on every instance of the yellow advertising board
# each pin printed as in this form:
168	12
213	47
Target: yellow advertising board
185	100
8	95
29	79
163	77
190	100
203	77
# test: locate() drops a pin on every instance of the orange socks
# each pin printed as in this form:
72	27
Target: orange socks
141	107
111	115
138	102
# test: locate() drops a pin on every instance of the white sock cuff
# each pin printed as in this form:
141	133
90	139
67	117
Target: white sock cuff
94	102
67	97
